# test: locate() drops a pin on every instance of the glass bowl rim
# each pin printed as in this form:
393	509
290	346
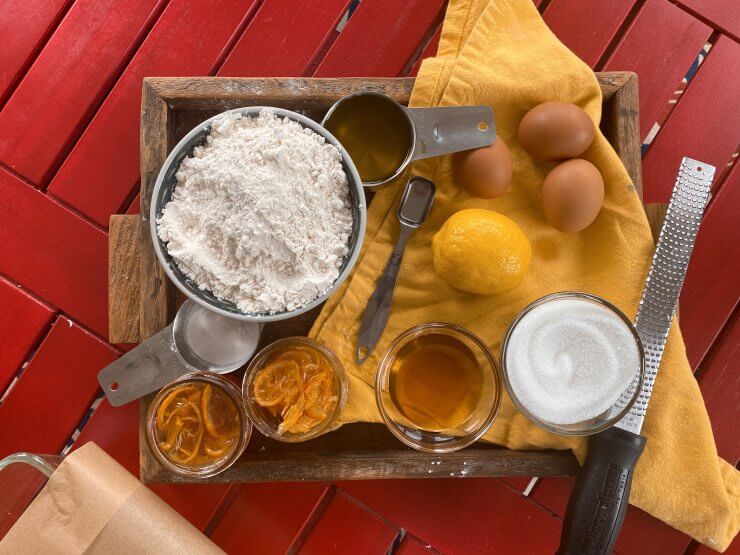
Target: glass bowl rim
246	427
251	371
384	365
555	428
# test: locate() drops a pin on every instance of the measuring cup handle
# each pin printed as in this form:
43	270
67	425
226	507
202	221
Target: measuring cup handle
451	129
148	367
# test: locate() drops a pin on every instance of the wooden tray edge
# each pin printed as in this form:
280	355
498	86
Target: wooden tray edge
160	96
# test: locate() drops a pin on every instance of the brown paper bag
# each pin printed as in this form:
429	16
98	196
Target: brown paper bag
91	504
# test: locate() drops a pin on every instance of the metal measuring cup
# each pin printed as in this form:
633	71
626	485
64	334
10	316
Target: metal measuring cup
198	340
433	131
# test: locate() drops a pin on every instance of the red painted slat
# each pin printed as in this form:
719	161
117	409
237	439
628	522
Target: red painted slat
23	26
641	533
54	253
429	51
380	38
265	518
116	431
719	380
705	124
134	206
23	320
297	28
102	169
644	535
67	80
712	288
660	46
723	14
480	514
586	26
54	392
347	528
410	546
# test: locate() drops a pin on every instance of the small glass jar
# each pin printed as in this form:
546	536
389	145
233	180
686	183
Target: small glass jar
245	426
266	422
591	425
465	433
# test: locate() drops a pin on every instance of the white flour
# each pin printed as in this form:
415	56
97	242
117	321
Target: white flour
260	214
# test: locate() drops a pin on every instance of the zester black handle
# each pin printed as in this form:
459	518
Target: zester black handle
601	493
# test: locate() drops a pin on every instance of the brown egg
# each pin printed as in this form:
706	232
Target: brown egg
572	195
484	172
555	131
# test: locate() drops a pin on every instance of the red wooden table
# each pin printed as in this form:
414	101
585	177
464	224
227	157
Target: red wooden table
70	80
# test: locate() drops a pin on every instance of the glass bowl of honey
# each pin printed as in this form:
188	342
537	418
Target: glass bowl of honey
294	389
438	387
196	426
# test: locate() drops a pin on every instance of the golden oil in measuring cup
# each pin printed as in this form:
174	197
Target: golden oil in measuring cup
376	132
436	382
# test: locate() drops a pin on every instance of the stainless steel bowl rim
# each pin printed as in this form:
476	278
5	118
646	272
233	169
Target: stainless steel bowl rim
184	149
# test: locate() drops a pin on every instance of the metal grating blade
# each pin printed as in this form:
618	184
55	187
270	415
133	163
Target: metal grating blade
666	276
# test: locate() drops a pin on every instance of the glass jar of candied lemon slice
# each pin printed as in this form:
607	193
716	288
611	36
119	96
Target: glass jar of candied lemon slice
294	389
197	425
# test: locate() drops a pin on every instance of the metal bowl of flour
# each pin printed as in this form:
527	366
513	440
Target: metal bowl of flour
166	183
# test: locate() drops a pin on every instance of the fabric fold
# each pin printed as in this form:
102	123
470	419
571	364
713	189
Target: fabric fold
500	53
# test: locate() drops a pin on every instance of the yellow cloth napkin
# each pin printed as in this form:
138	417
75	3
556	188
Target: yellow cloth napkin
500	53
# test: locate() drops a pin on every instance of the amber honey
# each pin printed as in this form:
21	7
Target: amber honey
376	133
436	382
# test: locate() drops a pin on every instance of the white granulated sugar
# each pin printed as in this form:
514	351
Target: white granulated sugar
569	360
261	213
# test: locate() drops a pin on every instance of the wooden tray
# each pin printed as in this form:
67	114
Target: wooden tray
142	301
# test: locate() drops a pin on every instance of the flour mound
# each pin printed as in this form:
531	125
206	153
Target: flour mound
260	214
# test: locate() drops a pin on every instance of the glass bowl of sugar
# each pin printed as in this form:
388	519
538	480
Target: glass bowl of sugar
572	363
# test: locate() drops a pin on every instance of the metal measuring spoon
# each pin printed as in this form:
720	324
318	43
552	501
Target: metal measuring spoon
412	211
198	340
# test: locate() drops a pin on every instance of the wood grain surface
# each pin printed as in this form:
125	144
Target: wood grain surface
124	256
173	106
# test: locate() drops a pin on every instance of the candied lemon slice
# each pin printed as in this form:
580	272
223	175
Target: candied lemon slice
173	432
320	396
169	404
304	424
216	448
188	445
292	414
183	431
195	396
205	406
299	356
314	388
274	382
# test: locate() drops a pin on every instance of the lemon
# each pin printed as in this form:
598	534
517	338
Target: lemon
481	251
